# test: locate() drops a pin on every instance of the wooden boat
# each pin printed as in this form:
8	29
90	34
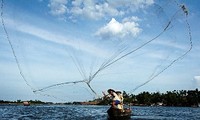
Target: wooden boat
116	114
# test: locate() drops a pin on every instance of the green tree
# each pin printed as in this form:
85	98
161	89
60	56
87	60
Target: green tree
144	98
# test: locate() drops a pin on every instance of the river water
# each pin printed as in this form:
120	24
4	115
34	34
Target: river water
80	112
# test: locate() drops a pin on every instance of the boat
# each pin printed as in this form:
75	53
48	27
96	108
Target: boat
26	103
116	114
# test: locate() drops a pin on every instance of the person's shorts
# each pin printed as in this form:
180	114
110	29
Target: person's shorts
117	102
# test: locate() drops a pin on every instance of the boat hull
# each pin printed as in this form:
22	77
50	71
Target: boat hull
116	114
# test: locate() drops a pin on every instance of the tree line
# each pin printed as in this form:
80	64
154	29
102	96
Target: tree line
183	98
20	101
186	98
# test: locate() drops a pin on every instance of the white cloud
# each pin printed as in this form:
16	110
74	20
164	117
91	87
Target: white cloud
53	36
58	7
94	9
197	80
60	39
171	44
89	9
157	55
133	18
116	29
132	5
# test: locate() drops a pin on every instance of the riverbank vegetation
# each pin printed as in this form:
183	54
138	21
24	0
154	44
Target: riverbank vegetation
185	98
18	102
182	98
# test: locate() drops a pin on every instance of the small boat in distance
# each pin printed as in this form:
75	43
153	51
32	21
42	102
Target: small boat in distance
26	103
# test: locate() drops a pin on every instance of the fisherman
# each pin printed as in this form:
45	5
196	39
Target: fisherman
116	101
119	93
115	104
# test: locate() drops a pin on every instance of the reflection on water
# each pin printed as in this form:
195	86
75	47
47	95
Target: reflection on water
77	112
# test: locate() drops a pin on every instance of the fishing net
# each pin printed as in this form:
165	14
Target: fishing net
79	48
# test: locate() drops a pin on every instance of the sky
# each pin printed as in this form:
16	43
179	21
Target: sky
63	50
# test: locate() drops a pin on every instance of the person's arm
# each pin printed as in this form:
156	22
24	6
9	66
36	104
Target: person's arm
105	95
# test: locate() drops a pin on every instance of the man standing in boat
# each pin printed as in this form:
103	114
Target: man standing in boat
116	111
116	102
119	94
116	98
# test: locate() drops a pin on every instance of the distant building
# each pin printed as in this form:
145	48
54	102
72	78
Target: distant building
26	103
89	103
160	104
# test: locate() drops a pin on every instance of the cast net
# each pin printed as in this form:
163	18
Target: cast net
79	48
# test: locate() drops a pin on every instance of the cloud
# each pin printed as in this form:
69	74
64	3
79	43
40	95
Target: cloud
89	9
157	55
171	44
58	7
94	9
133	5
197	80
60	39
128	27
55	37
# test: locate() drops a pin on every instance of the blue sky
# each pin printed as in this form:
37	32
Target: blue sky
59	41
